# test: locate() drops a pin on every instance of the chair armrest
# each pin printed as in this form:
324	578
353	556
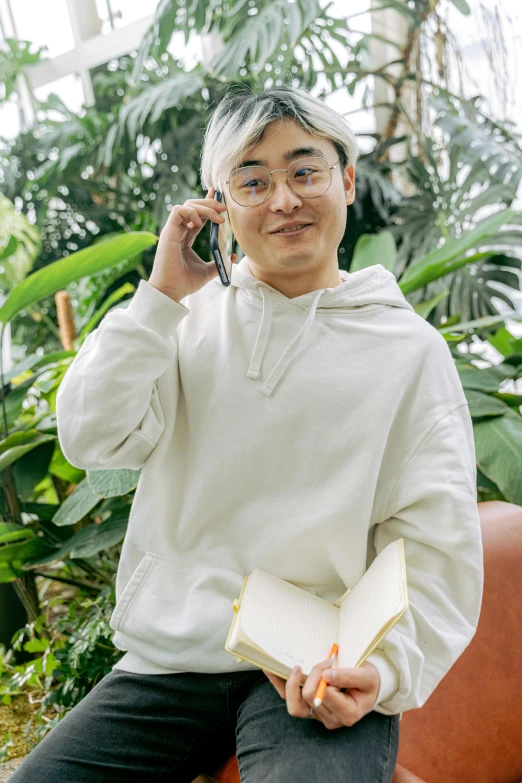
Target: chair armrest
402	775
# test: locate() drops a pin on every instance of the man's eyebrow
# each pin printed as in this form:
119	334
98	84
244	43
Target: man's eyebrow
288	155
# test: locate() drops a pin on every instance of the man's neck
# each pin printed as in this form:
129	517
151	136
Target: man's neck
293	288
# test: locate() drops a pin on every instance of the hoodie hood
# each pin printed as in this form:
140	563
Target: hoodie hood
373	285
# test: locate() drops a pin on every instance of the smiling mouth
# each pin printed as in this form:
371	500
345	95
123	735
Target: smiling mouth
292	231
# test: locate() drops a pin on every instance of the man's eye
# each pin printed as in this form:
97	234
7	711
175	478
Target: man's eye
304	171
253	183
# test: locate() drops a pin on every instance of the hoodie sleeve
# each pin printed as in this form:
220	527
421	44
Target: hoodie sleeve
108	409
433	507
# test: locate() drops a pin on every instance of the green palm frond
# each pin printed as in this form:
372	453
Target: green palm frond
147	108
251	40
481	173
171	16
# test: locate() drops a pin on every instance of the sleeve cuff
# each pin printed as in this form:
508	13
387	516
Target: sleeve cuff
155	310
388	673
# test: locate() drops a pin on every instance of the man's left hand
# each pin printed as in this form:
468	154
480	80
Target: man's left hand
349	696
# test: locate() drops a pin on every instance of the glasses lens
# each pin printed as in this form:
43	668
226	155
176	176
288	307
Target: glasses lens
249	185
310	177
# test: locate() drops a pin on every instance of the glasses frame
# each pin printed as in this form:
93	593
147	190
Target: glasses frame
311	157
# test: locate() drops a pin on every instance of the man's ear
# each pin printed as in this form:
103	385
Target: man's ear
349	184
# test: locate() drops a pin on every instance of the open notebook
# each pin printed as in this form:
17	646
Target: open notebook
277	625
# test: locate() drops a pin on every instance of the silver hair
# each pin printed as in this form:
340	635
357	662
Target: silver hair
239	120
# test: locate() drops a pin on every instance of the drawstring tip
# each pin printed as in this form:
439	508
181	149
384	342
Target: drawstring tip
252	374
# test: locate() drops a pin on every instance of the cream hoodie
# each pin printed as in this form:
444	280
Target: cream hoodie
297	435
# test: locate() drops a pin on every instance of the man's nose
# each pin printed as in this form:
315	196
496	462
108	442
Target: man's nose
282	196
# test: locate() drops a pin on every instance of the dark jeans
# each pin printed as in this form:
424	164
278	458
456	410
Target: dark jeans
173	727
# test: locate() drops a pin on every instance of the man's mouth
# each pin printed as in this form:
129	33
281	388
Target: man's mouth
293	229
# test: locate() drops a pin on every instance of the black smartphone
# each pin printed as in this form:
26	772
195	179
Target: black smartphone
222	244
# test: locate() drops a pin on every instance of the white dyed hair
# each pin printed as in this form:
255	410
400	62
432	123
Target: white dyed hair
239	120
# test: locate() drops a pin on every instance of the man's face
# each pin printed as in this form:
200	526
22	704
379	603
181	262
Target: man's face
309	251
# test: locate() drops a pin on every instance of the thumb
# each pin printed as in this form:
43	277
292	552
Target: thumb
343	678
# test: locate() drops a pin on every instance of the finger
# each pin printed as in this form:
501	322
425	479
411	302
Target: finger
296	702
197	217
357	677
207	211
208	202
341	703
278	682
313	680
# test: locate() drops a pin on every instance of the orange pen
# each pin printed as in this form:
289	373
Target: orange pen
321	690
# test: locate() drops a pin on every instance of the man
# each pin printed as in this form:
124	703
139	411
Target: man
298	421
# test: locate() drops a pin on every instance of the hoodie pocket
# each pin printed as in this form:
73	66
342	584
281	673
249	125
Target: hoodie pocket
132	591
173	611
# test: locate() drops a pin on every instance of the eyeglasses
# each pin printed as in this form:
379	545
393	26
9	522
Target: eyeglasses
308	177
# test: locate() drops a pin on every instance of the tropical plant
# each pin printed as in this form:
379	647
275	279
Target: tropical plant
72	652
31	460
120	165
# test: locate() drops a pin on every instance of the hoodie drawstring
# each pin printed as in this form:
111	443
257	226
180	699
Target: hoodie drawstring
262	339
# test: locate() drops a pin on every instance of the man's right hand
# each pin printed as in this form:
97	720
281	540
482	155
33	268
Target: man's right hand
177	270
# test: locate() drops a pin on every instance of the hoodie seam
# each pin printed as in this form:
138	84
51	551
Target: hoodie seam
419	443
319	311
362	313
376	277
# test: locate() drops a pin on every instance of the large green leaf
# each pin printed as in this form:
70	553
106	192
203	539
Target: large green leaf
372	249
59	274
126	288
23	550
32	468
481	404
100	537
479	323
439	261
10	571
18	444
63	469
113	483
482	380
88	541
34	361
499	454
76	505
11	531
505	342
424	308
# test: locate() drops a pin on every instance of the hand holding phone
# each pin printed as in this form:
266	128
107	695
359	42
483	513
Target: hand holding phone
222	244
177	270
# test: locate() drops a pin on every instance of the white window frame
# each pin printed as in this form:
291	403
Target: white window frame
91	48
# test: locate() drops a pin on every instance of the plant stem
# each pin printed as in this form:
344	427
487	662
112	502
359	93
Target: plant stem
76	582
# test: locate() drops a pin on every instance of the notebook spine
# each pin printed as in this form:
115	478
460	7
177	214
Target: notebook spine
235	607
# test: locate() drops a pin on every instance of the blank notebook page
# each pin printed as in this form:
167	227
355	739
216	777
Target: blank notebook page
374	600
290	624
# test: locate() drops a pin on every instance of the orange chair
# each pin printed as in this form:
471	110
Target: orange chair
470	729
